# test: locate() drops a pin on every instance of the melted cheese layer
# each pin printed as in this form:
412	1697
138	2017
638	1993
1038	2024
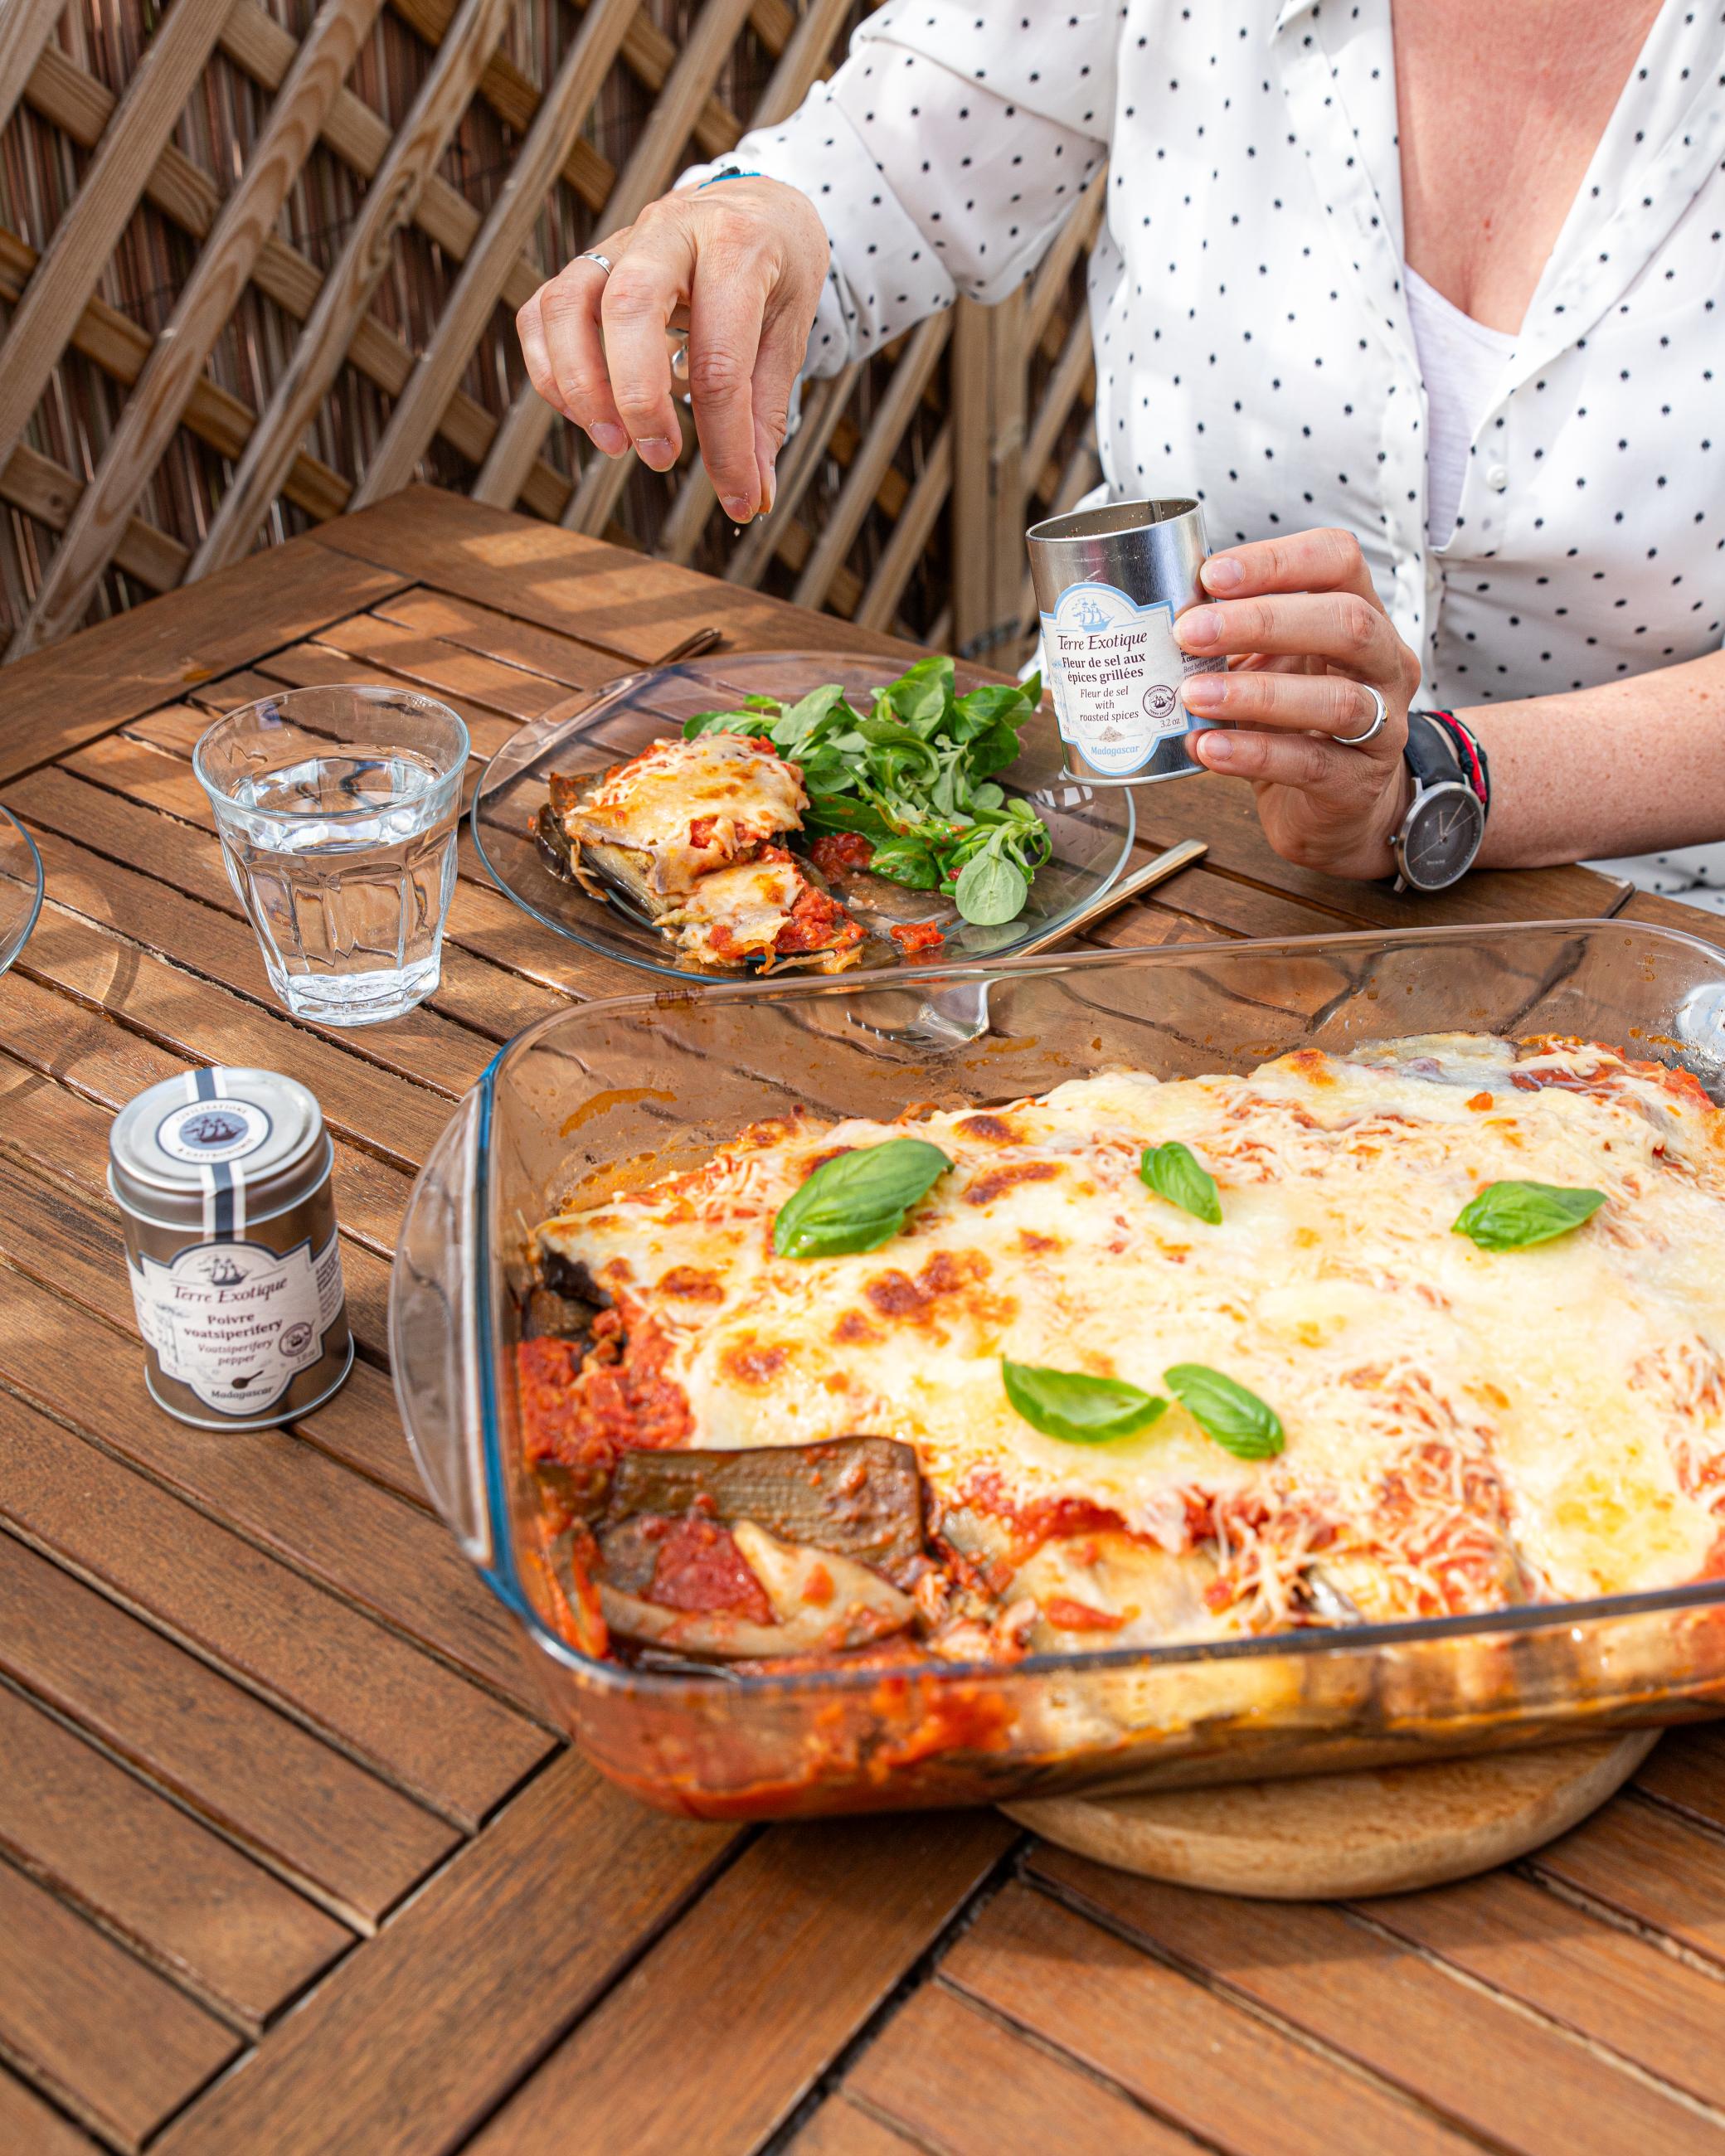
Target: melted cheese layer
1464	1429
747	793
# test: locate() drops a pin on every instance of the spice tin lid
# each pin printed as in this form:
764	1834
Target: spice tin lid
213	1149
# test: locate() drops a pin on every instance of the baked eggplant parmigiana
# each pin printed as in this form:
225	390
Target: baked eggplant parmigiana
687	833
1435	1328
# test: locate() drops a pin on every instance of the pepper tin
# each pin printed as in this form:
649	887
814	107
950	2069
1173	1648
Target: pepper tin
222	1179
1110	583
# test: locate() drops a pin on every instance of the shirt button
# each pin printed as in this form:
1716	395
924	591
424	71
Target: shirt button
1497	477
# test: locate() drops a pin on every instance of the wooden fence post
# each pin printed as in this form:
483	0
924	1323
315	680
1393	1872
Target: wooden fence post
990	365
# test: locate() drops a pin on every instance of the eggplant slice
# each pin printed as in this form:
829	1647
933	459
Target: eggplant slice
858	1497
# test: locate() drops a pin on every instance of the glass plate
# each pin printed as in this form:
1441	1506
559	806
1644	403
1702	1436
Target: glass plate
20	887
1092	826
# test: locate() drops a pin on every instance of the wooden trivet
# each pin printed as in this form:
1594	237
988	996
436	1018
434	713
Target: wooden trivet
1383	1831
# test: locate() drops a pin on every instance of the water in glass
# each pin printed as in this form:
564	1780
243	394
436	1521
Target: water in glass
340	847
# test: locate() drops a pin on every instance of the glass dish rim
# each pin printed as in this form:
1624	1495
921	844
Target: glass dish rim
371	692
33	912
501	1571
590	941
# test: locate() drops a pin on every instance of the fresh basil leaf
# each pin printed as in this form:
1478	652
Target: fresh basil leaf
857	1201
1030	689
987	795
1172	1171
1508	1216
1237	1421
991	891
1076	1407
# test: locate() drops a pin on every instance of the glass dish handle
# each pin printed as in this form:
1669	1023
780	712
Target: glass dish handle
433	1343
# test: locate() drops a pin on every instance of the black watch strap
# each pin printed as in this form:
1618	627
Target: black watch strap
1430	754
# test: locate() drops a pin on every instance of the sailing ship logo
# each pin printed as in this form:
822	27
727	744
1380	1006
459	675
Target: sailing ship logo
220	1271
1092	619
215	1127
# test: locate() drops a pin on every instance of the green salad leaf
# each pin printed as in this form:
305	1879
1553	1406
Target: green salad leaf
1508	1216
915	775
1077	1408
1227	1414
1172	1171
857	1201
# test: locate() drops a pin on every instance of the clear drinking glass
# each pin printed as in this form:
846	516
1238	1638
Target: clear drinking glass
338	809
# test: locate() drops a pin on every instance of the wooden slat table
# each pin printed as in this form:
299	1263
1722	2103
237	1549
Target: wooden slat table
289	1863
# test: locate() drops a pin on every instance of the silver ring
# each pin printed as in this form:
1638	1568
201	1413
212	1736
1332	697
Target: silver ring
1380	719
592	254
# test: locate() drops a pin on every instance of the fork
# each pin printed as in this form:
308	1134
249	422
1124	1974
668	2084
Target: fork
954	1017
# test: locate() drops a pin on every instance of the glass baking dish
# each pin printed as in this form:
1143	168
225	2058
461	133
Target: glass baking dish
612	1094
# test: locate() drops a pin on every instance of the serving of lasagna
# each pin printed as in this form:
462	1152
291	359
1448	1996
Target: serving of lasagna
688	834
1433	1328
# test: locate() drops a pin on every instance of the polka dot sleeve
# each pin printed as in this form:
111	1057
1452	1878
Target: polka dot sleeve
943	157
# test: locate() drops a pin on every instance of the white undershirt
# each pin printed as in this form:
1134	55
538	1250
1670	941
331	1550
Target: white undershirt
1461	360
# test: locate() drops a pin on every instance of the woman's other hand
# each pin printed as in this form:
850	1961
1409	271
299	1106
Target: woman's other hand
740	265
1302	628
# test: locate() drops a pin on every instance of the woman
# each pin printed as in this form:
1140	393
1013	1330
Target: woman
1428	312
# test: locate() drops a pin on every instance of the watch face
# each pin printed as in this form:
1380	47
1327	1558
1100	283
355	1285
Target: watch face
1441	836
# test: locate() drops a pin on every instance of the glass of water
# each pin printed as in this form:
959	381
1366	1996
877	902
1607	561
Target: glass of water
338	809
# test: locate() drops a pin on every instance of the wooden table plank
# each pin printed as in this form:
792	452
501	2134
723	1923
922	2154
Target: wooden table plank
181	1897
827	1916
69	1045
313	666
104	674
272	1664
445	668
961	2083
410	2042
66	1990
560	580
438	1737
1654	1867
311	1814
842	2128
140	842
1204	2063
1616	1989
1686	1769
206	1024
482	918
432	1052
1518	2082
27	2122
66	1137
501	636
392	1560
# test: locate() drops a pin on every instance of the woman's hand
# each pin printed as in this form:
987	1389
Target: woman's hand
740	265
1301	627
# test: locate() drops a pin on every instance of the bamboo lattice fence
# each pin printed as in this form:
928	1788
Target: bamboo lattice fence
260	261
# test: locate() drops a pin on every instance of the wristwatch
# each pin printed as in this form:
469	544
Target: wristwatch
1445	821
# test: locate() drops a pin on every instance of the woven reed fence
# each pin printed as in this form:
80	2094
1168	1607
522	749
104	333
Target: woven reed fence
260	261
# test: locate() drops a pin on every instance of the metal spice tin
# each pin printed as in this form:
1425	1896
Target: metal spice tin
1110	582
222	1179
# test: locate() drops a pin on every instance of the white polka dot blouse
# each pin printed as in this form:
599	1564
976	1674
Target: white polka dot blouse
1247	297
